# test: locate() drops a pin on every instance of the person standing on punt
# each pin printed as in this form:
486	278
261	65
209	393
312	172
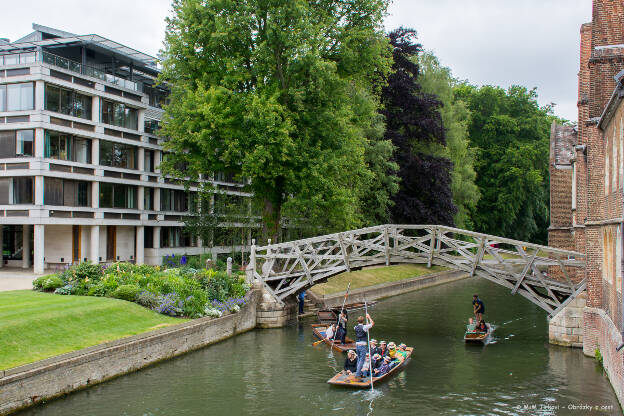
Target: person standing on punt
361	341
478	307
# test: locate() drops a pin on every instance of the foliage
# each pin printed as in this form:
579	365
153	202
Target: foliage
510	133
39	281
212	312
174	291
126	292
51	283
438	80
147	299
65	290
281	93
414	125
598	356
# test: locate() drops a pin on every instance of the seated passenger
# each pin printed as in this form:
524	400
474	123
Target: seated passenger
383	350
377	361
330	331
482	327
366	366
402	351
350	365
392	351
385	367
374	349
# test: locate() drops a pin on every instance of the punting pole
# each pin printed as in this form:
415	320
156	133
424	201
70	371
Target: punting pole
341	309
370	357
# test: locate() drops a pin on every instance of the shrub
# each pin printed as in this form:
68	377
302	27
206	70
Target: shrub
169	305
52	282
126	292
212	312
598	356
147	299
38	282
65	290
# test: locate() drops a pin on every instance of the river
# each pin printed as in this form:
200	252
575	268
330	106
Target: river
279	372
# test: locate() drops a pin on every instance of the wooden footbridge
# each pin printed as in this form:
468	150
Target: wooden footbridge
547	276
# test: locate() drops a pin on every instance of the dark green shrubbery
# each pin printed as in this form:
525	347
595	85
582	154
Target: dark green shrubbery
126	292
173	291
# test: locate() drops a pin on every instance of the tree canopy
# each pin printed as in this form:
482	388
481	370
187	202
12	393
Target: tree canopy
438	80
510	134
415	127
281	92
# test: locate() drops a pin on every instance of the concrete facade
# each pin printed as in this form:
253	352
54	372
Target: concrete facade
79	160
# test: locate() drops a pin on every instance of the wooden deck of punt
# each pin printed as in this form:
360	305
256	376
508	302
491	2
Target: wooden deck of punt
472	337
350	381
319	331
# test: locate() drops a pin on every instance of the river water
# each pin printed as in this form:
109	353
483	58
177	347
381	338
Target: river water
279	372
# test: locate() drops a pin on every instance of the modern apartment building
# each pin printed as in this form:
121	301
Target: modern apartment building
79	161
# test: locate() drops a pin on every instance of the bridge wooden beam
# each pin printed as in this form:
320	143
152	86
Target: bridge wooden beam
343	249
526	269
479	255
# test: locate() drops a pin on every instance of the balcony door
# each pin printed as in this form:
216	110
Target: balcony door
111	240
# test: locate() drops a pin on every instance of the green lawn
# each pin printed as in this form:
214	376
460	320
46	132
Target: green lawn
373	276
35	325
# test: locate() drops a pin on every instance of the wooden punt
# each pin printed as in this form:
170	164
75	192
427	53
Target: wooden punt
319	331
330	315
476	337
349	380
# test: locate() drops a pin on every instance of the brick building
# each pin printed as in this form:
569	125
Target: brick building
587	182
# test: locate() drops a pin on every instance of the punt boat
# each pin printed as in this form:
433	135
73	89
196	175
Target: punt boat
319	331
476	337
349	380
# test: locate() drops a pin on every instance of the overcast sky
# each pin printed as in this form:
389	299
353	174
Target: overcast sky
534	43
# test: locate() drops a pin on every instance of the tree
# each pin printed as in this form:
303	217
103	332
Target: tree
510	133
438	80
414	126
280	92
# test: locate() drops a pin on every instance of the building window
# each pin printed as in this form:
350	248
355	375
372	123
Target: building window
118	114
17	143
64	101
25	142
148	199
114	195
149	161
173	200
150	126
23	190
63	146
67	193
118	155
17	97
172	237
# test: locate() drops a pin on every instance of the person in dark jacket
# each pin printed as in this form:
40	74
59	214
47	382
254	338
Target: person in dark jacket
478	307
384	368
482	327
350	365
374	349
383	349
341	332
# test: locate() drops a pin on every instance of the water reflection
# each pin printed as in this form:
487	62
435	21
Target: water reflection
279	372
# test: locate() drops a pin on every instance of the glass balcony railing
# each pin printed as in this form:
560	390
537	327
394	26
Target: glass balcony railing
77	67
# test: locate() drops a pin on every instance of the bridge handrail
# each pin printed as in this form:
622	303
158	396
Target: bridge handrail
474	234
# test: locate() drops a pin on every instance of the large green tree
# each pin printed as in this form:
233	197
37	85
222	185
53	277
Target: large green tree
438	80
278	91
510	133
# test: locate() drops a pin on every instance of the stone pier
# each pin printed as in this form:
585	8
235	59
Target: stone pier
566	328
272	314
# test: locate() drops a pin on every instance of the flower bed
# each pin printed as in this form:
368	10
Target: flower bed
180	291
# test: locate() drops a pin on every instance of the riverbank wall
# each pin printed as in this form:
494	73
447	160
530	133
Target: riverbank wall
38	382
385	290
601	334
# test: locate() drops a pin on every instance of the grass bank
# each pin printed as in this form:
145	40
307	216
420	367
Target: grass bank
373	276
35	326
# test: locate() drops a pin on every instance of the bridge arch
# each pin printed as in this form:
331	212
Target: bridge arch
549	277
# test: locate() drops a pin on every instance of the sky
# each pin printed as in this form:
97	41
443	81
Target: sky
534	43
